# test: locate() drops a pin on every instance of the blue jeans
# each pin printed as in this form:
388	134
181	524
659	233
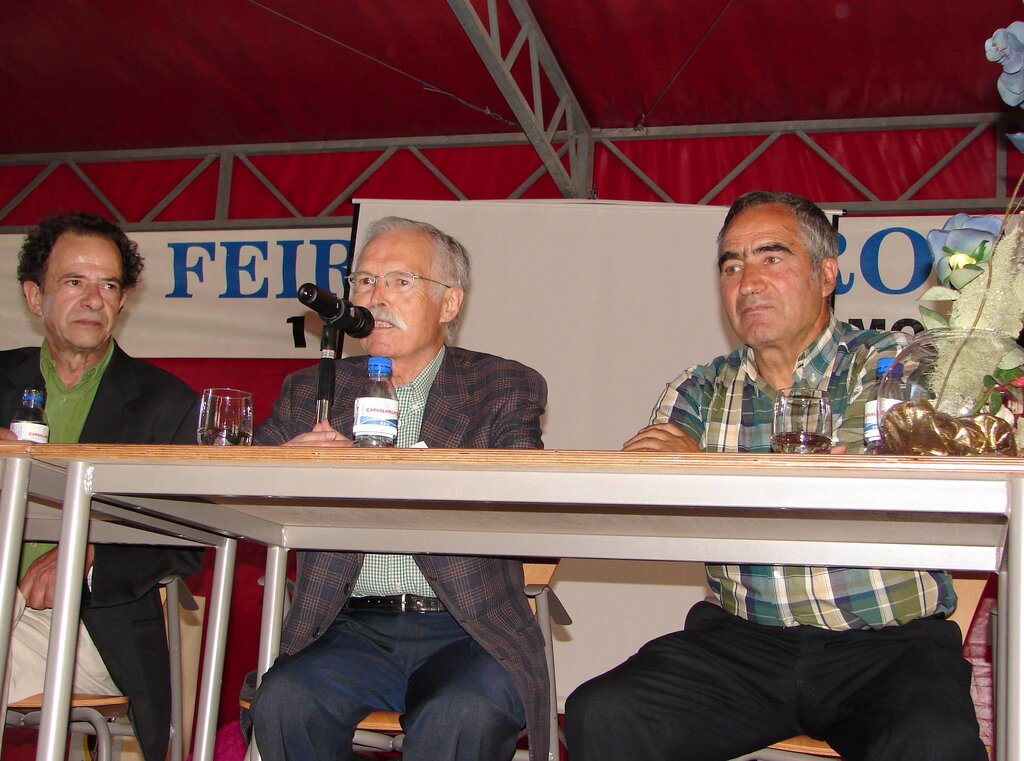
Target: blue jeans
458	703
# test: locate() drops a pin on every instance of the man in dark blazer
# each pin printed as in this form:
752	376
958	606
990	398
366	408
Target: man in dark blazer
450	641
76	271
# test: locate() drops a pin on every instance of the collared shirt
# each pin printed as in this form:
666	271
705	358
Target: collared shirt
726	406
66	413
68	408
399	574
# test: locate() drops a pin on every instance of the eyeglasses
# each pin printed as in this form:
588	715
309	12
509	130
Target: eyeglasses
398	281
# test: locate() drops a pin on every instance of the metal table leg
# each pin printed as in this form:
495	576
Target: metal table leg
67	600
13	501
213	657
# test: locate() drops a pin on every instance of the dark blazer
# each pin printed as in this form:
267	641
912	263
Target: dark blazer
477	401
136	403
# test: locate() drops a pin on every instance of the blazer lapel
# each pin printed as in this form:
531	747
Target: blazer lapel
110	412
449	410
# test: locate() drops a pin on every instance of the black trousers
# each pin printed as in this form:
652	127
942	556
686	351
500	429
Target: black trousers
725	687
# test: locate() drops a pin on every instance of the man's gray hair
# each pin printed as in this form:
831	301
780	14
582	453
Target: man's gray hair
450	263
819	236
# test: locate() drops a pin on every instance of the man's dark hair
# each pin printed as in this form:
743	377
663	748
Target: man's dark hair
39	243
820	238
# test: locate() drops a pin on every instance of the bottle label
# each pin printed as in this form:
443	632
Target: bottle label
871	432
375	416
37	433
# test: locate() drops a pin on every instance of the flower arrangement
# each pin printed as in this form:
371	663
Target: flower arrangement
979	263
959	379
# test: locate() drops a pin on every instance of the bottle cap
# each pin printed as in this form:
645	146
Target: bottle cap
379	365
33	395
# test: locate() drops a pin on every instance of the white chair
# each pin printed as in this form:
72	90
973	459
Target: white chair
105	716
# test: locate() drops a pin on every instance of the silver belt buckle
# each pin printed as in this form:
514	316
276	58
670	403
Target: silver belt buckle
403	601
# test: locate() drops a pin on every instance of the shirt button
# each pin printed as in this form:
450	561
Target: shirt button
316	632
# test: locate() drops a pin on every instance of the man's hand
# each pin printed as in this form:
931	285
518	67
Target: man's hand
6	434
41	578
662	437
322	435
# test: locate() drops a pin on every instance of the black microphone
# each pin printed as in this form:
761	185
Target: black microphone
356	321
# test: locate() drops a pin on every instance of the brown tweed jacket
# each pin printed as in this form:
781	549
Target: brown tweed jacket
477	401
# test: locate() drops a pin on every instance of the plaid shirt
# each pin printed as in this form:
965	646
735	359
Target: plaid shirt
726	406
398	574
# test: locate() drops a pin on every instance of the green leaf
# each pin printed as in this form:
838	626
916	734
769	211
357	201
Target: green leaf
989	381
1004	376
1016	392
961	277
932	319
940	293
995	402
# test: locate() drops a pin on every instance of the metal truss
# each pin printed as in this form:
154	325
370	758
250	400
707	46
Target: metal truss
224	158
530	113
772	131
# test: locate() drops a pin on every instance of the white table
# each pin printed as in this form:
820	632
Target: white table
31	508
821	510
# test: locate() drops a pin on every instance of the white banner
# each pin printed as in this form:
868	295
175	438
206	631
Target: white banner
232	293
885	265
209	294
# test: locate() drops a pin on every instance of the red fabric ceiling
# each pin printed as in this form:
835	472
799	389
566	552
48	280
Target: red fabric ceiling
113	75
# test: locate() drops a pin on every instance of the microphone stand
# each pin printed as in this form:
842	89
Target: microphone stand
325	379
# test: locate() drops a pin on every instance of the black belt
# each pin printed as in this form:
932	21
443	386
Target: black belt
402	603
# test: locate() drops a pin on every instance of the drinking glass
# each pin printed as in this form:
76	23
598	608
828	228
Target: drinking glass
225	417
802	421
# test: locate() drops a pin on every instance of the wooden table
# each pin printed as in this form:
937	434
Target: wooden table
818	510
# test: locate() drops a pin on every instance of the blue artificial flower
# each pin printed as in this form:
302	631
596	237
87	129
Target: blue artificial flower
962	245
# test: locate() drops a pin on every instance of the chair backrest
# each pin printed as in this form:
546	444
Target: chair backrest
969	587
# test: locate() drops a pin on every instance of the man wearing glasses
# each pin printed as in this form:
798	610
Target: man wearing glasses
449	641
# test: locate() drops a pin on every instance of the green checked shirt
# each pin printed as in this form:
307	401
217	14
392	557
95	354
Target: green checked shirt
725	406
387	575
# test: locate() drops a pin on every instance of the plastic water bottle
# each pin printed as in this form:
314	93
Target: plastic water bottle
872	418
29	422
375	423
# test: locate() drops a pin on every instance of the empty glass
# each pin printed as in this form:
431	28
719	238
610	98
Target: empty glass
225	417
802	421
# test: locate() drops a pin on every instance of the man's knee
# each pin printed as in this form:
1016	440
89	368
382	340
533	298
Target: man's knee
924	736
282	694
602	698
593	710
919	733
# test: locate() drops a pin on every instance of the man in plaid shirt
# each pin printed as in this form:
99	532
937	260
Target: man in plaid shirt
862	658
